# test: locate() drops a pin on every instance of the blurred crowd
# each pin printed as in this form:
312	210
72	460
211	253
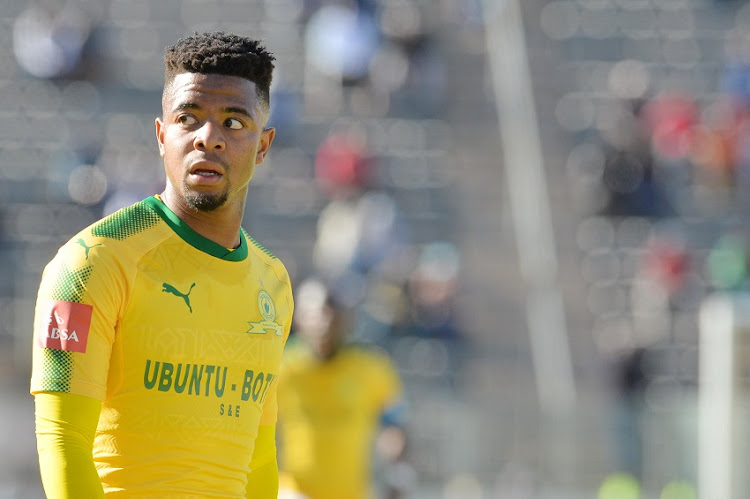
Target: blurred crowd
660	173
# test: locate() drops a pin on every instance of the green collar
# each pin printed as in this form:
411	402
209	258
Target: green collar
193	238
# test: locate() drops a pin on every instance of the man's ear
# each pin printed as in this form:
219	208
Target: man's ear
160	135
266	139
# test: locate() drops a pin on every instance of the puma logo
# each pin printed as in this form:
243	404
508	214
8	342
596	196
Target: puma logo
86	247
168	288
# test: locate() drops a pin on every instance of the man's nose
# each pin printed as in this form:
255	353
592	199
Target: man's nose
209	137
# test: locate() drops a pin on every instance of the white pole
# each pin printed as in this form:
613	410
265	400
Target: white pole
527	191
720	319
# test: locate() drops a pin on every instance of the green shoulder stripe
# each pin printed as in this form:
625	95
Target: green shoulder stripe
71	284
126	222
57	367
58	364
257	244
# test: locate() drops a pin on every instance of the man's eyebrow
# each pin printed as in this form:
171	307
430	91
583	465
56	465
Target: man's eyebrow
186	105
237	110
226	110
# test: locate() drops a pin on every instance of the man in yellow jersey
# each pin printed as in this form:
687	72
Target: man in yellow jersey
159	330
333	400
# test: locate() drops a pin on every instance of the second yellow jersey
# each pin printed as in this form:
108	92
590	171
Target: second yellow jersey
329	416
179	337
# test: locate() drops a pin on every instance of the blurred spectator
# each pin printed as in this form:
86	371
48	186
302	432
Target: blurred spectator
632	186
370	53
720	151
630	178
341	39
409	61
49	37
432	289
670	119
343	164
362	236
333	399
666	263
361	227
662	278
630	383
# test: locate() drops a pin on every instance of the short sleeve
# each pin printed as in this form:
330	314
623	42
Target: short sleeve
78	304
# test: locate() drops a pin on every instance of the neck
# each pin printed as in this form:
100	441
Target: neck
221	225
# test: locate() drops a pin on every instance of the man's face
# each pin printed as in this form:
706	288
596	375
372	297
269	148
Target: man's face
323	327
211	136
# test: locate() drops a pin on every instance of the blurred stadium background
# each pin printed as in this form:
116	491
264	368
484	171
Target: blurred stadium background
527	200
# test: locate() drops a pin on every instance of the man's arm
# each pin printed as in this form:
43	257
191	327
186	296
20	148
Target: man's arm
263	480
65	428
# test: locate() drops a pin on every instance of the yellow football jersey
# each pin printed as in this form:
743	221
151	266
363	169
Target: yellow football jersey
181	339
329	415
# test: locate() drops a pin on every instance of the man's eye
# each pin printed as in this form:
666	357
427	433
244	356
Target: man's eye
234	124
187	119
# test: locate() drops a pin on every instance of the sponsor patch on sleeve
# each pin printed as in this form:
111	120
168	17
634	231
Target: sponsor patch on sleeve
65	326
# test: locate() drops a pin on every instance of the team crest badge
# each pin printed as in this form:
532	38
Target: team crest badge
268	312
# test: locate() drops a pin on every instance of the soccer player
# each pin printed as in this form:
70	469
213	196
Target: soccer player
159	329
334	400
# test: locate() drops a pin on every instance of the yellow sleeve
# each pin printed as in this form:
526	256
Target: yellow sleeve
74	282
263	480
65	428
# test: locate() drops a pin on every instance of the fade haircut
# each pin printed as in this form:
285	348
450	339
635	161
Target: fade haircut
224	54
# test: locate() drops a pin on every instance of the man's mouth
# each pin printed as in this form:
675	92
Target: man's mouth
206	173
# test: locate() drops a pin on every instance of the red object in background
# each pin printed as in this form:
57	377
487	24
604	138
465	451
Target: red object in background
670	120
667	263
720	144
341	163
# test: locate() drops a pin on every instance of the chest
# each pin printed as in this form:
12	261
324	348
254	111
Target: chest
329	391
189	312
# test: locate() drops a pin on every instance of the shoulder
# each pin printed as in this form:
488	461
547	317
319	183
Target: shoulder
296	351
271	261
127	222
297	357
260	251
119	237
134	229
368	357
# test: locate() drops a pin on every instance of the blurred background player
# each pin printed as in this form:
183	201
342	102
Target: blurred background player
339	405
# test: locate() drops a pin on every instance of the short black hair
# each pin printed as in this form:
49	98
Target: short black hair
221	53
